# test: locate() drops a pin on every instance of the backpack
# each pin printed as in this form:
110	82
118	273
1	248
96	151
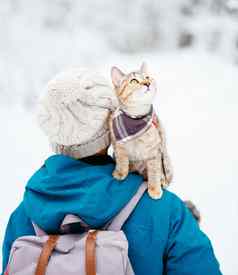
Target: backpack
94	252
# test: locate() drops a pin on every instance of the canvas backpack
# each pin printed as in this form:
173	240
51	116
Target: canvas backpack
94	252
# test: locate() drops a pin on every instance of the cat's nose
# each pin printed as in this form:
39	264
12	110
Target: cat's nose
146	82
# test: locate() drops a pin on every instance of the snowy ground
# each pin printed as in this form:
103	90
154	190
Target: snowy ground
197	101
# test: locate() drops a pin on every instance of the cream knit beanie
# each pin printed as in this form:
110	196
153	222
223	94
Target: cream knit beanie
74	112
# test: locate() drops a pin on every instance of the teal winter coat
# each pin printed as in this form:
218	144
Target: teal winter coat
163	236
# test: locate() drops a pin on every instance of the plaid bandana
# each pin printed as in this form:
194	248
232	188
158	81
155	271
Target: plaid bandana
125	127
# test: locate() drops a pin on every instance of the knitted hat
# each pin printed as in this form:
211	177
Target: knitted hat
74	112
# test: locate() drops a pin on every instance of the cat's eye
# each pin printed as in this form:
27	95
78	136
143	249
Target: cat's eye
134	81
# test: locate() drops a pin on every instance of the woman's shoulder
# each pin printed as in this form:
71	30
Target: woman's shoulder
168	212
168	202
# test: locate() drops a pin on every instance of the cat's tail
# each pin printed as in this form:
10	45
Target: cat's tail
166	162
194	210
167	168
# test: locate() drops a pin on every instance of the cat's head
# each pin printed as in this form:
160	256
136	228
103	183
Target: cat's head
135	90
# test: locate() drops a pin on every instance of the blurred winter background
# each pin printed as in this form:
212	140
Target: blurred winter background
192	49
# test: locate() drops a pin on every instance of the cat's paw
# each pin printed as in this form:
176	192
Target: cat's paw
119	175
155	193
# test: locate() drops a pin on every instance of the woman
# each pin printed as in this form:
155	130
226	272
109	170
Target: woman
163	236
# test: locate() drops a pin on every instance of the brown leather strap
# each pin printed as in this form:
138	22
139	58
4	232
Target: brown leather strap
90	256
45	254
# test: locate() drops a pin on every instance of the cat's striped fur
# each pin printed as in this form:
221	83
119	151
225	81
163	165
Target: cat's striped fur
146	153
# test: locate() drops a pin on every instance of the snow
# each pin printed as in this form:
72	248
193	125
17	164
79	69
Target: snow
197	101
40	37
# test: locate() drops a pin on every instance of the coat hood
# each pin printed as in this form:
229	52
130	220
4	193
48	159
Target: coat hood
85	188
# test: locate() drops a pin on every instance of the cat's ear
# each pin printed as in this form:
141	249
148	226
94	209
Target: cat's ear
116	75
144	68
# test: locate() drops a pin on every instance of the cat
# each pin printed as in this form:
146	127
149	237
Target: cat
137	136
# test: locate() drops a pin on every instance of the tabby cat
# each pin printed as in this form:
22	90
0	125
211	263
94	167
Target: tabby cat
137	137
